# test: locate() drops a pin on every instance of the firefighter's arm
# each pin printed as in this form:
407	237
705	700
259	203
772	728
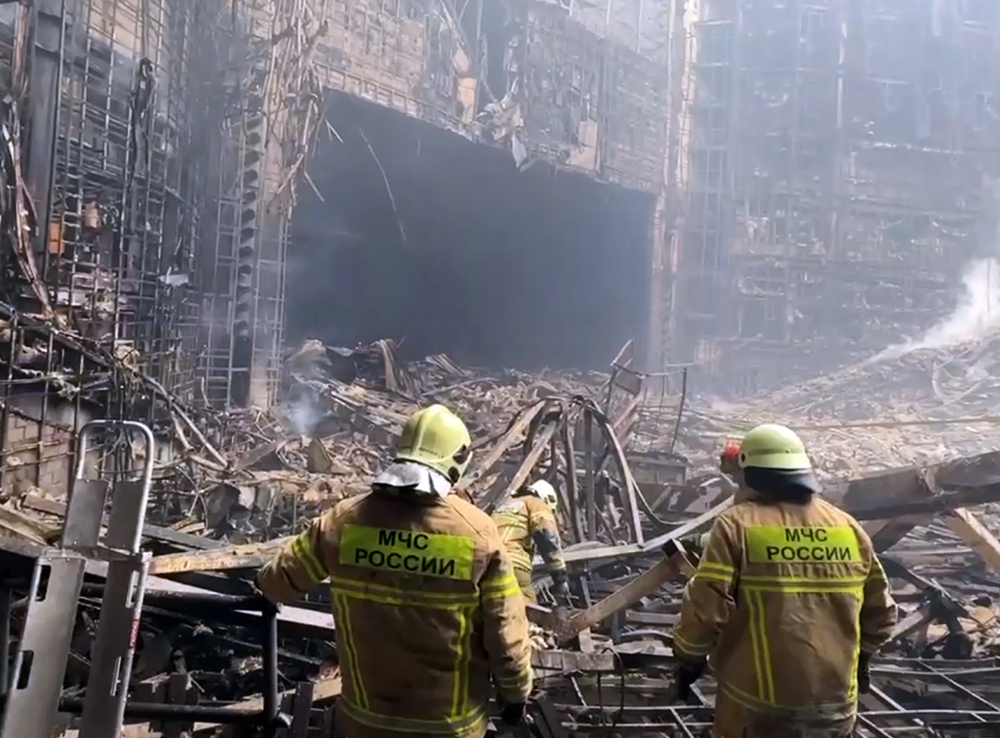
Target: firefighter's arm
708	596
299	565
878	609
545	533
505	628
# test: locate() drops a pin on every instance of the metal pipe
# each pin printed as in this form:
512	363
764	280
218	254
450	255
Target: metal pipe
208	713
211	601
479	47
55	120
232	609
680	409
588	450
5	610
572	487
271	706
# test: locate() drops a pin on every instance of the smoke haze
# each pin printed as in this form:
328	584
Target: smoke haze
976	316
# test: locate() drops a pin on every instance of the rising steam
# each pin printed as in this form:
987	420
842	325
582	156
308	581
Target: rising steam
976	316
304	414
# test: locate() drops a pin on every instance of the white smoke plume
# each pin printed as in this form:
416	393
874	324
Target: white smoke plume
304	414
976	316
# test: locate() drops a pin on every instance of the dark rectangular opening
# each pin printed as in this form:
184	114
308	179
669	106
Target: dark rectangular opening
429	238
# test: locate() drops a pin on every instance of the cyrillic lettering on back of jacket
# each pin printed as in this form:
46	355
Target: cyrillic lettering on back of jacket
775	544
429	554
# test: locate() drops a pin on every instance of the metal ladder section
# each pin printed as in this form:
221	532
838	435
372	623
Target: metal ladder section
40	663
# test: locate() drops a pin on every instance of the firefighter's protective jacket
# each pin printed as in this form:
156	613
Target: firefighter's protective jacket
526	524
784	598
426	607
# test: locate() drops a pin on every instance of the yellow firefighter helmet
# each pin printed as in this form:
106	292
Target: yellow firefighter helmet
773	447
436	438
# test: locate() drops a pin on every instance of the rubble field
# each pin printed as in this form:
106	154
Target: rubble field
903	442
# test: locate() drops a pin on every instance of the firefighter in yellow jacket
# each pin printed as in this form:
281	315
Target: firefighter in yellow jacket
528	522
788	604
426	606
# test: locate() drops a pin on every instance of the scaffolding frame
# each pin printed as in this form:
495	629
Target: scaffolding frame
125	183
270	121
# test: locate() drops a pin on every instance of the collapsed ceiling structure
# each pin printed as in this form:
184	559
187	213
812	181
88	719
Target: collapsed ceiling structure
764	159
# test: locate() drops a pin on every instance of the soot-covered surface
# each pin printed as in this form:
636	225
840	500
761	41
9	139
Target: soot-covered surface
493	266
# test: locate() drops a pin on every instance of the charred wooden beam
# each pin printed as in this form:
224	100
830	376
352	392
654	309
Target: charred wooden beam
291	620
244	556
696	525
510	438
150	532
963	523
626	596
916	511
538	447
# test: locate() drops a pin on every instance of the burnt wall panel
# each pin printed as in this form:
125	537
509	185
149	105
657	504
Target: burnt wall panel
642	26
842	167
587	101
409	55
635	120
39	437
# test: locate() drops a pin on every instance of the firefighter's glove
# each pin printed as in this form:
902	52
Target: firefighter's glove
864	677
513	714
560	584
694	545
685	677
256	591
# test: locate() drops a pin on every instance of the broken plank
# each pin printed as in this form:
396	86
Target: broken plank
964	524
904	486
699	524
511	437
257	453
243	556
911	623
291	620
150	532
645	584
568	662
541	442
22	525
919	510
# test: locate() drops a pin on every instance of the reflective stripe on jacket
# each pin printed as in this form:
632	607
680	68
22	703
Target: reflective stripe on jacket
526	524
427	610
784	598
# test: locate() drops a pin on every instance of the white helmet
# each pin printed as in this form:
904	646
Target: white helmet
545	492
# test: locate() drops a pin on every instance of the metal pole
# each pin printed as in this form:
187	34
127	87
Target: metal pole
271	706
479	47
591	499
167	711
5	609
47	81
